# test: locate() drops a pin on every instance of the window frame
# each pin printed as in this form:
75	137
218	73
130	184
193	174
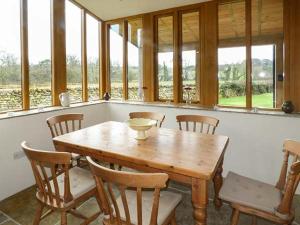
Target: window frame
250	41
124	24
59	83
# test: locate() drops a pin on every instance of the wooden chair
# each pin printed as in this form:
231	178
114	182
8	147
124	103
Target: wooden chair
273	203
159	117
208	124
134	205
59	187
63	124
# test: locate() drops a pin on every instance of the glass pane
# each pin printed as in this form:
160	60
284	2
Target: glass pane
39	42
135	60
232	54
267	53
116	60
10	56
92	39
190	57
165	58
73	49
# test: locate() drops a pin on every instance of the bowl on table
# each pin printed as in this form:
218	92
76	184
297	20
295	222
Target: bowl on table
141	125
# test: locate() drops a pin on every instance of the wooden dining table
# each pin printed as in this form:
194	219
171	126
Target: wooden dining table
187	157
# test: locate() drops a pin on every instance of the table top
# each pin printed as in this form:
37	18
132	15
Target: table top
187	153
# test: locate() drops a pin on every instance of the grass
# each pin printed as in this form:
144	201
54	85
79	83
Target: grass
263	101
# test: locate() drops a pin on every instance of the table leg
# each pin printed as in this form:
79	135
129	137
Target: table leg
200	200
218	182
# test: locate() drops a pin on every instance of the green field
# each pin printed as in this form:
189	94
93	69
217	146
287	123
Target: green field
263	101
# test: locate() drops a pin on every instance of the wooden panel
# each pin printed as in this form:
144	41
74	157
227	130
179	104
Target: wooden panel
103	58
248	54
148	58
125	60
85	94
24	55
58	50
267	20
107	55
292	51
176	61
208	53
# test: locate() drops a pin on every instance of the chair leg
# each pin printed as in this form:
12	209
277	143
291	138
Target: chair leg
63	220
235	217
78	162
254	220
38	214
173	220
112	166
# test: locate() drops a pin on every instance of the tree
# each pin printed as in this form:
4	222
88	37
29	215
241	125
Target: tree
10	70
165	73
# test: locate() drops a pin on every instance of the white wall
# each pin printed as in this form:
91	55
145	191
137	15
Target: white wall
254	149
16	175
255	146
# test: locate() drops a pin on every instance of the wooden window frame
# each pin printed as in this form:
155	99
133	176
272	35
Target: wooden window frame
180	44
143	72
175	53
58	52
124	24
249	43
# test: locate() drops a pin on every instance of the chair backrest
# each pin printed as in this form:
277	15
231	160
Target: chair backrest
289	176
159	117
122	181
208	124
63	124
46	167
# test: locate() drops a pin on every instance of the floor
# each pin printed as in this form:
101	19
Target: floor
20	208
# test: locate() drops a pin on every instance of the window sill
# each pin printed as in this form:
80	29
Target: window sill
9	115
216	109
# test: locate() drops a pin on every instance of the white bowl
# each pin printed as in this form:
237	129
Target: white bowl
141	125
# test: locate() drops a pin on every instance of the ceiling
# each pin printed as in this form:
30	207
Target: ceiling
113	9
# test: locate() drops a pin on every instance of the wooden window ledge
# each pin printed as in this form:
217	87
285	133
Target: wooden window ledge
9	115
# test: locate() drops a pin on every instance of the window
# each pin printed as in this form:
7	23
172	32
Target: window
135	60
190	71
73	50
262	88
232	54
39	42
116	60
267	53
165	57
232	76
10	56
263	76
92	36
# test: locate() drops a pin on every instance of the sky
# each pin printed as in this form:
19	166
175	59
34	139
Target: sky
39	36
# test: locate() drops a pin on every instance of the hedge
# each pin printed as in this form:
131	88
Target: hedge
234	89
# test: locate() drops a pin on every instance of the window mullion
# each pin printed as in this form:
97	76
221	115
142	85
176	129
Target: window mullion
125	60
24	54
176	60
248	54
85	95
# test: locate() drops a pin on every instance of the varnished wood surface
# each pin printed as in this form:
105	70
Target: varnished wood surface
186	153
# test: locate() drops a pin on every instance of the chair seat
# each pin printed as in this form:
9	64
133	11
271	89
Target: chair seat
81	181
251	193
167	203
